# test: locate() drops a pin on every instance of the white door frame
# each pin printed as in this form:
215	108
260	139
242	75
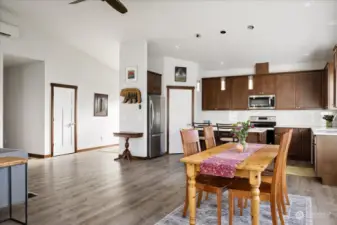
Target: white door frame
53	85
168	110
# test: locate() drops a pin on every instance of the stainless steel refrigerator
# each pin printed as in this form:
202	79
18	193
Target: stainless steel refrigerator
156	126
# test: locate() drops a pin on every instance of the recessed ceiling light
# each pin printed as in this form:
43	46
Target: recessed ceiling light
250	27
307	4
306	54
223	32
198	35
177	47
221	63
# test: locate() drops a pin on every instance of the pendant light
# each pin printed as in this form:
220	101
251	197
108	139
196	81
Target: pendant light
223	83
198	85
250	82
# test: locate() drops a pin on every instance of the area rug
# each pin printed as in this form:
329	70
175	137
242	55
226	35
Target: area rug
299	213
301	171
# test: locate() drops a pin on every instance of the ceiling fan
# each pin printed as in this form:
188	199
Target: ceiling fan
116	4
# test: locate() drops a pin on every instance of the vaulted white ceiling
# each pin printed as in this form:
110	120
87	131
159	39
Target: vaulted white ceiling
286	31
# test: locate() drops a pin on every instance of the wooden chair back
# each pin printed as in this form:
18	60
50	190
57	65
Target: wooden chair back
281	159
190	141
209	137
200	127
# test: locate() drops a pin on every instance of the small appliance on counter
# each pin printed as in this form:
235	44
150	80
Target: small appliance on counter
261	102
268	122
156	126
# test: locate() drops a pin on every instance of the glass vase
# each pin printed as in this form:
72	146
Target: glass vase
328	123
242	145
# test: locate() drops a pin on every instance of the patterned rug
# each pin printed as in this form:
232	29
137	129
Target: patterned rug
299	213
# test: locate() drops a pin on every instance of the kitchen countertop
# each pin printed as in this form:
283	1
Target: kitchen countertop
324	131
316	130
257	130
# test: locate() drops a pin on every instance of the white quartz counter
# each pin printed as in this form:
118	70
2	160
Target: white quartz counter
257	130
316	130
324	131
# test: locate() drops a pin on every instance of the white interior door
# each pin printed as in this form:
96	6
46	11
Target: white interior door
180	112
64	121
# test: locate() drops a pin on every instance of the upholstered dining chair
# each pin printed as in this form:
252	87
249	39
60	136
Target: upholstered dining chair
212	184
269	191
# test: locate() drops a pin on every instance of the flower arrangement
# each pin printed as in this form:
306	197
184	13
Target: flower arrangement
329	119
240	131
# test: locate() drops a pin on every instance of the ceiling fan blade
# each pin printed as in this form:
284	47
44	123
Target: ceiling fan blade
76	1
116	4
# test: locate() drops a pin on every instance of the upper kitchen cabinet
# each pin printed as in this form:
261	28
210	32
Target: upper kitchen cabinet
263	85
153	83
285	91
224	94
209	93
328	89
213	97
239	92
308	90
335	76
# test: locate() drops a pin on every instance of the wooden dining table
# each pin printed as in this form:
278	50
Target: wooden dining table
250	168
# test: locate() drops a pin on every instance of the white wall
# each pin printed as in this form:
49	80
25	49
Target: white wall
1	99
67	65
134	54
24	108
168	79
284	117
156	64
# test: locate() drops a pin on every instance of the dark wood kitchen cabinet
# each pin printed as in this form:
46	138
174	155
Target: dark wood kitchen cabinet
239	93
213	98
335	77
308	90
224	96
285	91
263	85
209	93
300	146
328	86
153	83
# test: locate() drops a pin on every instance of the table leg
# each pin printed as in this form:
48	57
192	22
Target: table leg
255	181
126	153
191	173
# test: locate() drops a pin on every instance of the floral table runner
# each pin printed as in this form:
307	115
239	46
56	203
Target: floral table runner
224	164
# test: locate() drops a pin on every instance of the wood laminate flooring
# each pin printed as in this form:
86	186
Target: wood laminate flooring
90	188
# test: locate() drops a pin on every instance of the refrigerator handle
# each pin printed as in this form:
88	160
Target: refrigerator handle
152	114
151	109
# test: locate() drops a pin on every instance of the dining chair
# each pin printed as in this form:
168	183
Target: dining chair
209	137
200	128
212	184
269	191
268	175
224	133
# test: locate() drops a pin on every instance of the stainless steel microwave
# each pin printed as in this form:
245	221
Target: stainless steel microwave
261	102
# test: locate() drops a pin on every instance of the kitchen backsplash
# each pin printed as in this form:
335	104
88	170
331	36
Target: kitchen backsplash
308	118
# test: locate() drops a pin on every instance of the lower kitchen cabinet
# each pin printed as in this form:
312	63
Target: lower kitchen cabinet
300	146
326	159
260	138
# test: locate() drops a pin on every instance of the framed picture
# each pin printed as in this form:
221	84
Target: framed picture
131	74
180	74
101	105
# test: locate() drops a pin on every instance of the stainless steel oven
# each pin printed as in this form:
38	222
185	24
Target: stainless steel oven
261	102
